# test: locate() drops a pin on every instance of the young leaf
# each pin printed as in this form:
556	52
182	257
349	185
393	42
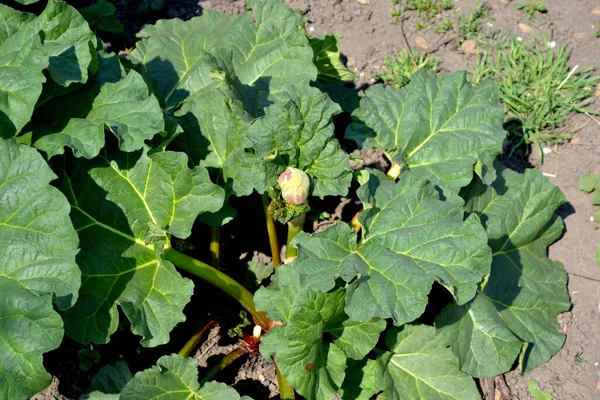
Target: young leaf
327	59
588	183
123	208
410	239
22	60
596	198
298	131
315	367
68	41
419	366
440	128
177	378
37	247
527	289
536	392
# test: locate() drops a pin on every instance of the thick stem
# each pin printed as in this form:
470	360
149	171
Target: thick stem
294	227
272	233
220	280
191	344
225	361
286	390
354	223
394	171
215	245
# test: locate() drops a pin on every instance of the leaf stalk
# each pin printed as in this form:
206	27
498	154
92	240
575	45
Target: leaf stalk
294	227
215	245
272	231
220	280
223	363
286	390
191	344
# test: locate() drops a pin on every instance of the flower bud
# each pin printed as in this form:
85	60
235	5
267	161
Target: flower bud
294	184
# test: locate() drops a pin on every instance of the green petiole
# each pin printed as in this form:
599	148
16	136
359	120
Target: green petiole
220	280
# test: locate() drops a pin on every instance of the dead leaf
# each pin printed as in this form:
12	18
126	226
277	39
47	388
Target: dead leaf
497	394
596	11
421	43
579	35
469	47
598	385
524	28
363	1
597	91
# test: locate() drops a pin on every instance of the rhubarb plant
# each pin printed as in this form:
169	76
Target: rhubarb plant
106	161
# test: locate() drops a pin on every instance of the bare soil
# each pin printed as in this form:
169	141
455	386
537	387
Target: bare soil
368	34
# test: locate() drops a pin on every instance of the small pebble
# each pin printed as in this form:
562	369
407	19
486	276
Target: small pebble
311	29
552	44
519	38
546	150
421	43
524	28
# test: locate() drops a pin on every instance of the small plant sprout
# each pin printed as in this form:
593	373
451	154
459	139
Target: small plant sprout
402	66
532	8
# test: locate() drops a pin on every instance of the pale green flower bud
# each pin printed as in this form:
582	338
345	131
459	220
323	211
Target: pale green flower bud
294	184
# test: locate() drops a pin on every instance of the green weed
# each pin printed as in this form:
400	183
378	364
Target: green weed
401	67
539	88
531	8
469	27
428	11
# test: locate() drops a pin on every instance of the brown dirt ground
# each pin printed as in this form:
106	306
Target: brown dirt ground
369	33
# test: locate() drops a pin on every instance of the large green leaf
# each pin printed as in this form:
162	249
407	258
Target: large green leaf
269	52
112	100
169	56
68	41
297	131
364	379
37	261
22	60
477	335
314	366
440	128
411	238
527	289
175	377
215	127
419	366
109	381
123	208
